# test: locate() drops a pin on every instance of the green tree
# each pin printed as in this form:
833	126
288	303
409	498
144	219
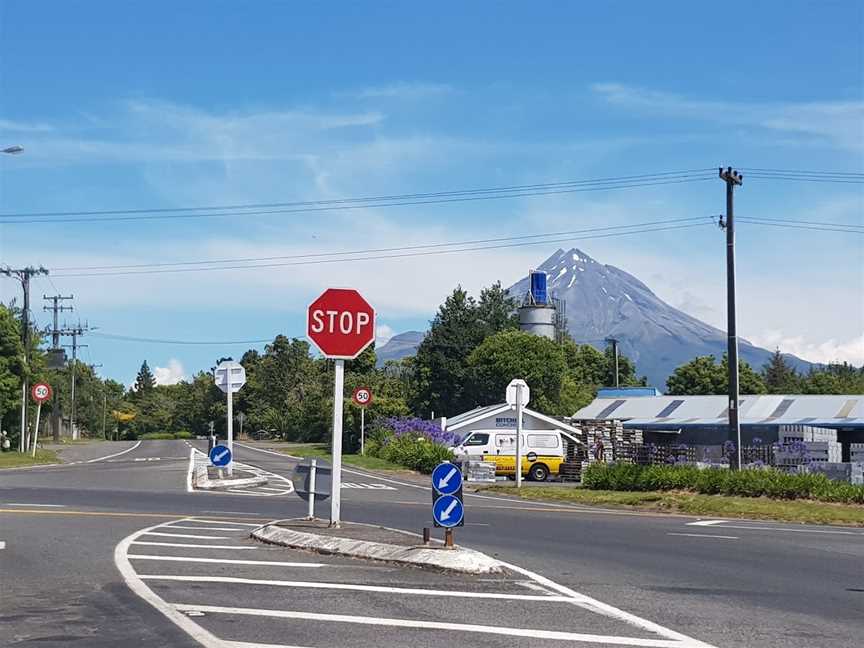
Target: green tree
11	366
144	381
515	354
703	375
779	376
834	378
496	310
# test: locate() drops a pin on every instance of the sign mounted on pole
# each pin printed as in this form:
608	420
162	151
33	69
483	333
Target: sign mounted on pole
362	397
41	392
220	456
447	508
230	377
341	324
518	394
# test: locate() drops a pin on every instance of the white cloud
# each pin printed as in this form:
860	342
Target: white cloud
170	375
840	123
851	351
404	90
383	333
23	127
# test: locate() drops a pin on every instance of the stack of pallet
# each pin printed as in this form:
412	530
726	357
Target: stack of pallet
803	444
856	452
618	444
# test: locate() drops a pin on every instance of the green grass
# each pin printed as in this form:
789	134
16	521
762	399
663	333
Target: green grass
755	508
323	452
18	459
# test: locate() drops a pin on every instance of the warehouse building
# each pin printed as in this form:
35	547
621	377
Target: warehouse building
703	420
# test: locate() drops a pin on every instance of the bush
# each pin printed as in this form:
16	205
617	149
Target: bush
183	434
156	436
765	482
411	442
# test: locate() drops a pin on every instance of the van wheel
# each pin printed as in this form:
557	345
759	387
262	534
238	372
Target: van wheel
538	472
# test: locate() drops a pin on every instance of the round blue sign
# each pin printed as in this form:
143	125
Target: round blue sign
446	478
220	456
448	511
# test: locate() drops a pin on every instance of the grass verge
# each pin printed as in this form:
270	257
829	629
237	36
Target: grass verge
18	459
323	452
754	508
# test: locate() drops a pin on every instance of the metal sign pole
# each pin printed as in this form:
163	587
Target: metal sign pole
312	469
36	431
230	426
336	497
518	437
362	430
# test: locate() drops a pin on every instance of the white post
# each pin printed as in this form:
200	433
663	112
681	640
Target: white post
230	427
362	430
336	495
312	469
519	437
36	431
21	447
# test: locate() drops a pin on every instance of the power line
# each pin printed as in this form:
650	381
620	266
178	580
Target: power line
379	250
384	256
129	338
755	221
25	219
803	172
410	196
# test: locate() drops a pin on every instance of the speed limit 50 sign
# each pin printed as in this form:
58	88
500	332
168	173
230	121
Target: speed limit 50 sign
41	392
362	396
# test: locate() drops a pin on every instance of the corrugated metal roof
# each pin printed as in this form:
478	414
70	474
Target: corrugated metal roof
776	409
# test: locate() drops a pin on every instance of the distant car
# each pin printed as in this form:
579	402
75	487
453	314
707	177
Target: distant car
542	451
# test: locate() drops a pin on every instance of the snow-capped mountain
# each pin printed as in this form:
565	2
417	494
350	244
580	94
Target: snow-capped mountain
604	301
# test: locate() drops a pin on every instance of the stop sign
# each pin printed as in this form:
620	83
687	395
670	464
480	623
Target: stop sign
340	323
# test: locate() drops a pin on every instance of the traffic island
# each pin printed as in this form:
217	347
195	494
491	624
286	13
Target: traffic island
370	542
210	478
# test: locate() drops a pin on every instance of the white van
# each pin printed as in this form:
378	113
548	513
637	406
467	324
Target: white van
542	451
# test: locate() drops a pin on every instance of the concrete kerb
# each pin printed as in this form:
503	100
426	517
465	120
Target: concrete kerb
460	559
202	481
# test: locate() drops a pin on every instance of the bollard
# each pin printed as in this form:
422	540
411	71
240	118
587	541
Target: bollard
312	468
427	535
448	538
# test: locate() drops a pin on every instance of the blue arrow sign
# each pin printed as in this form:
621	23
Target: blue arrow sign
448	511
446	478
220	456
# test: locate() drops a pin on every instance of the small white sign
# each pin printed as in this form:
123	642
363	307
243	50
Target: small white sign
515	385
230	376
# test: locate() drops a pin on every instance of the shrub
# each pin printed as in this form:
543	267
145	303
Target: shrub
183	434
156	436
410	442
757	482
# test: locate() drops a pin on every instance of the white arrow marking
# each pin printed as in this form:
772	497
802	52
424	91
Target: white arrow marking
221	454
442	483
446	514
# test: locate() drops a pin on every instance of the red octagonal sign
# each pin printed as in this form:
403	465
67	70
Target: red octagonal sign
340	323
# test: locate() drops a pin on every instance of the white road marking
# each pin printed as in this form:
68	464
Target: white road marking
42	505
2	544
201	528
252	644
360	588
437	625
704	535
367	486
766	528
195	546
586	602
116	454
187	535
189	488
227	561
199	520
705	523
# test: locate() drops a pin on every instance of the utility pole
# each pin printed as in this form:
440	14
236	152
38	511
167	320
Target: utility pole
732	179
56	308
614	343
74	332
24	275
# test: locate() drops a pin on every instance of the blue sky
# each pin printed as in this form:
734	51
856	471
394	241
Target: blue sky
164	104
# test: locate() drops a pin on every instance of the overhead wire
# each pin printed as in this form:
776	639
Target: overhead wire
386	256
129	338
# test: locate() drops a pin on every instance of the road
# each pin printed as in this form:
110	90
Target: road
67	575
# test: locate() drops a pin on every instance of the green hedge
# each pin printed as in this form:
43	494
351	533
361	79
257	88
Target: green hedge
416	453
165	436
764	482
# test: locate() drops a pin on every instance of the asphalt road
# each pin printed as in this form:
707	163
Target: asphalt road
725	584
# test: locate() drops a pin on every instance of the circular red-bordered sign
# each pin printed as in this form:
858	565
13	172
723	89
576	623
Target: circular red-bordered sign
362	396
41	392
